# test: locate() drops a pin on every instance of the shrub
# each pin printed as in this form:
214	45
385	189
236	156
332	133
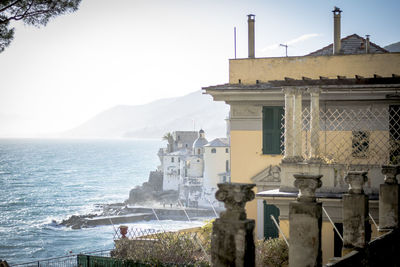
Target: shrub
272	253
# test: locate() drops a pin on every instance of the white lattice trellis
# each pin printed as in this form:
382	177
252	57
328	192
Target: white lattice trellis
355	136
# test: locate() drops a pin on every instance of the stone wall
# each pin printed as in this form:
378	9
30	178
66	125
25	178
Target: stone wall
382	251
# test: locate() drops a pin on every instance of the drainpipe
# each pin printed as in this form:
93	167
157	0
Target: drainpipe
250	22
336	30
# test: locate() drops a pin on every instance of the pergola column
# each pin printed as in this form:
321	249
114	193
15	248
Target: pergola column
289	99
356	228
297	124
314	124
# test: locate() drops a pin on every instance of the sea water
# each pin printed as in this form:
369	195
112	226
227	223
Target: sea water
46	180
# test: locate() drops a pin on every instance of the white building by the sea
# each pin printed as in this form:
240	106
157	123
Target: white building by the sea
193	166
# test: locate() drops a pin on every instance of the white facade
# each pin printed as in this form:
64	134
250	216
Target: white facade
195	172
216	167
171	171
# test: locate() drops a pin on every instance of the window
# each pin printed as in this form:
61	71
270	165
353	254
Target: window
226	150
198	151
227	166
179	159
172	159
360	144
213	150
224	179
179	172
272	130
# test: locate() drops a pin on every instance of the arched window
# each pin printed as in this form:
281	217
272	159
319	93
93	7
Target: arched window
213	150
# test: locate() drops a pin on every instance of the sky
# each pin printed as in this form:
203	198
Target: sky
132	52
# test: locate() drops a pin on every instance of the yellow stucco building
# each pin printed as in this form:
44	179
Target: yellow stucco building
334	110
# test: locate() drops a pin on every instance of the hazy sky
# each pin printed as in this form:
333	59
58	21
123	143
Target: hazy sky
129	52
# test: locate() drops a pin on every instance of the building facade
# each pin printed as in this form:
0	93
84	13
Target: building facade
334	110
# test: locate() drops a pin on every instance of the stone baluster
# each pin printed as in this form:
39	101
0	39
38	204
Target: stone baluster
305	221
232	240
297	125
356	227
289	153
314	124
389	199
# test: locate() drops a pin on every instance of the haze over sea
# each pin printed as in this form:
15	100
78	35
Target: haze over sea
45	180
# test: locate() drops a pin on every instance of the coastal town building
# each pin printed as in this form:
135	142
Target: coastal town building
326	113
192	166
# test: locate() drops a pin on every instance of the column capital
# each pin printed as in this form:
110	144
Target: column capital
356	181
307	185
314	90
299	90
390	172
234	196
288	90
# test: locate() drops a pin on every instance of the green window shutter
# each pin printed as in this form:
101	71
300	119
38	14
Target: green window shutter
272	132
270	230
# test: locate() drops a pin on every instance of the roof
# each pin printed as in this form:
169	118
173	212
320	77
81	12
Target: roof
340	81
277	193
352	44
200	142
218	142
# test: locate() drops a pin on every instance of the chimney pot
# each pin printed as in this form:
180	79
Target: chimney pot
336	30
251	38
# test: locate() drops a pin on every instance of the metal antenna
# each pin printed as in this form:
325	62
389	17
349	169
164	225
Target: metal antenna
285	46
234	39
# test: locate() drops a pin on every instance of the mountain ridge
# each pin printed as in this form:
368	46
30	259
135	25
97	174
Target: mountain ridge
153	120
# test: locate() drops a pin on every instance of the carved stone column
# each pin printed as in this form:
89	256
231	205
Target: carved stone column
297	124
232	240
305	221
314	124
289	98
356	227
389	199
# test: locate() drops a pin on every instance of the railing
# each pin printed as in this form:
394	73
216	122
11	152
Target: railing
63	261
149	246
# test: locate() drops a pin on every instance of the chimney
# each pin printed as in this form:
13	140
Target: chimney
250	22
336	30
367	44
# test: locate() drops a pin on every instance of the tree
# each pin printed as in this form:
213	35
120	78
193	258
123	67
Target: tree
169	138
31	12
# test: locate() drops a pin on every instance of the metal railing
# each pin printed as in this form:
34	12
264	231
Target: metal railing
62	261
149	246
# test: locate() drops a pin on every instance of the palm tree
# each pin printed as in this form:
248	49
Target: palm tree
168	137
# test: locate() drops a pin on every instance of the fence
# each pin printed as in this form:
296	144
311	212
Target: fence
64	261
150	246
354	135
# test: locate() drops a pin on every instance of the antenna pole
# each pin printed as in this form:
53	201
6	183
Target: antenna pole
285	46
234	39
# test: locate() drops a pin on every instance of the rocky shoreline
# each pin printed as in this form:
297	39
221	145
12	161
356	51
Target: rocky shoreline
118	213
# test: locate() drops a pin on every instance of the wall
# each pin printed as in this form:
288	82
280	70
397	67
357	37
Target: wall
266	69
214	163
171	177
247	160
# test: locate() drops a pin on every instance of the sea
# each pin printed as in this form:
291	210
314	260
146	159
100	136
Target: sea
42	180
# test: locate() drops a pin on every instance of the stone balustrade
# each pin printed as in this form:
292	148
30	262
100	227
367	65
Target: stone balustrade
232	240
